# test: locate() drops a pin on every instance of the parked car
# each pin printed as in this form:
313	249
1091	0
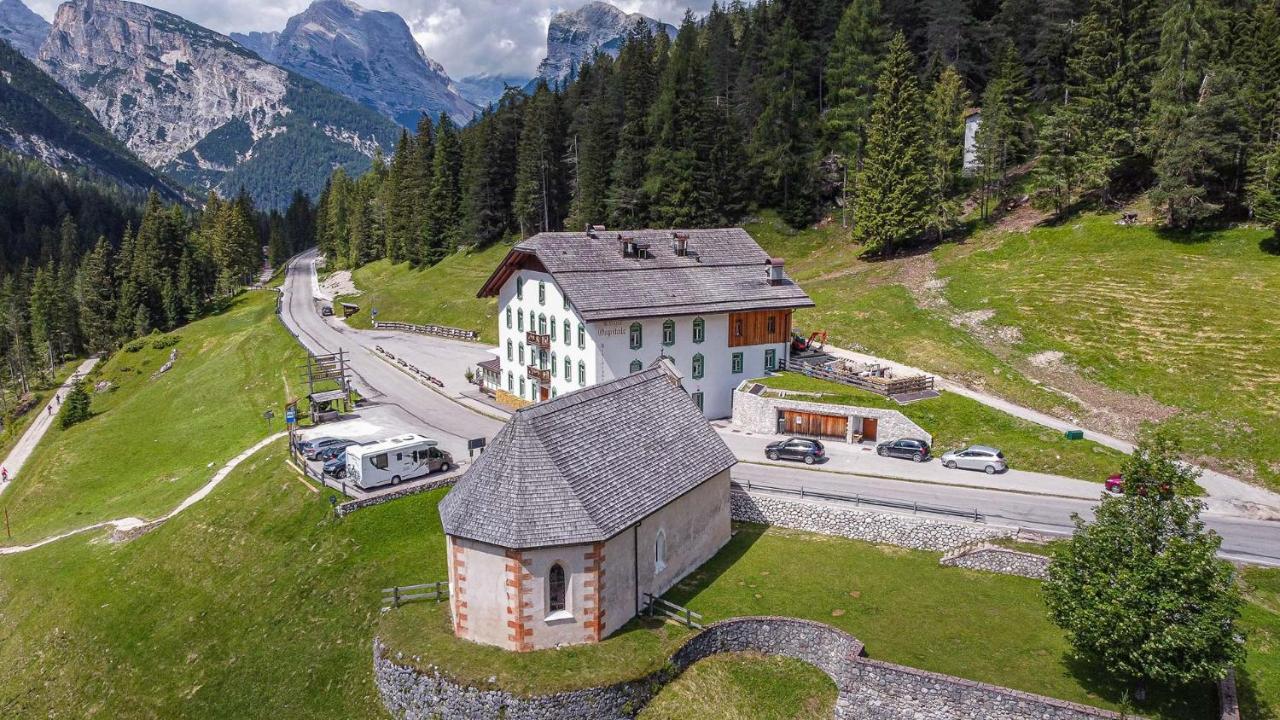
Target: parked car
337	465
326	310
807	451
909	448
976	457
1114	485
330	452
312	451
303	446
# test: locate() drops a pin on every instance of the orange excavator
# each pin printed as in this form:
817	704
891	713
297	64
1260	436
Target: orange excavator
816	341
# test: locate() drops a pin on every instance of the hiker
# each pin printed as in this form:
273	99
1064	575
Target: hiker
4	474
49	410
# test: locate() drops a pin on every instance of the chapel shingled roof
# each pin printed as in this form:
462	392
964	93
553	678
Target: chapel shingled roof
725	271
585	466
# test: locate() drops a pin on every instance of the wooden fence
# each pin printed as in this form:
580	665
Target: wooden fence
657	607
444	331
887	387
401	594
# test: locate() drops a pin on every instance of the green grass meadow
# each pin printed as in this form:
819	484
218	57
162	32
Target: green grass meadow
745	685
155	439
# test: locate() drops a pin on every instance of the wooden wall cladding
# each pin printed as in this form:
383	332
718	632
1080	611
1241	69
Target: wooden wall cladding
753	327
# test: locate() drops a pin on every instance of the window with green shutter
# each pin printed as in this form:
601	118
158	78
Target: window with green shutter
737	362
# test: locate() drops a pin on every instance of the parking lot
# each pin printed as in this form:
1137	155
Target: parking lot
374	423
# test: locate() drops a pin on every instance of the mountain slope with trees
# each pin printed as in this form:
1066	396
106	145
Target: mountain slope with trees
39	118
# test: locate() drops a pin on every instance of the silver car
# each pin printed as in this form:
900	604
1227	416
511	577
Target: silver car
976	457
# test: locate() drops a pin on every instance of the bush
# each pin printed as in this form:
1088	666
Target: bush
165	341
135	346
75	407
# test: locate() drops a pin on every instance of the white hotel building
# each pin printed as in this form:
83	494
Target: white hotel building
580	308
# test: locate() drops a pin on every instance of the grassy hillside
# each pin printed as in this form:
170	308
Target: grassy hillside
255	603
155	439
444	294
10	435
1189	320
252	604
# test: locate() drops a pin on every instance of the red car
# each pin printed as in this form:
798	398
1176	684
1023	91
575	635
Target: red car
1115	485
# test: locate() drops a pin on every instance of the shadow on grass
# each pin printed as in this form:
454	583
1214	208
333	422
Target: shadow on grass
1271	244
1192	702
1252	705
745	535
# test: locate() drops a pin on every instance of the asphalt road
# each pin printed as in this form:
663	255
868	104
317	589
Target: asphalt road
1244	539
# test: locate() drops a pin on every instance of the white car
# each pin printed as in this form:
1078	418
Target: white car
976	457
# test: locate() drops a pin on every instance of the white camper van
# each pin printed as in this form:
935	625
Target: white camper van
395	459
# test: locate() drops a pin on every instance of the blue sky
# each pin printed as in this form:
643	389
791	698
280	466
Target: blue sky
466	36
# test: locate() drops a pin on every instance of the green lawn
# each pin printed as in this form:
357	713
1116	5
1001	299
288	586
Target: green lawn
254	603
425	631
444	294
154	440
956	421
1189	319
746	685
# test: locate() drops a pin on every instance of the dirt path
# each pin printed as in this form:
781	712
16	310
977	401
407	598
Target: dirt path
27	443
132	526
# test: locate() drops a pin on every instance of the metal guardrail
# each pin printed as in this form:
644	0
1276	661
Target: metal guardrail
916	508
438	330
655	606
401	594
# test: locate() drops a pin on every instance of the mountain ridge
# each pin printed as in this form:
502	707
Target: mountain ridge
370	56
574	35
202	107
22	28
41	119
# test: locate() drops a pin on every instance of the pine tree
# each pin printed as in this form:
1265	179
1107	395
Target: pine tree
945	137
728	180
893	186
96	296
594	141
782	147
75	406
1002	136
1264	193
627	203
850	78
679	168
538	197
443	218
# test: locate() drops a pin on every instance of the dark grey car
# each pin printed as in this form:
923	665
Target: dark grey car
909	448
802	449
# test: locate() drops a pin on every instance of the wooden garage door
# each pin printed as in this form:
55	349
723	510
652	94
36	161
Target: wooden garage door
815	424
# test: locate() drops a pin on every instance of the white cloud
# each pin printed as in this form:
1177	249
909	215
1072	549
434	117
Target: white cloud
466	36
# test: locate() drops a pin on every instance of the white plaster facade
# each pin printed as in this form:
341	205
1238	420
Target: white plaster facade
596	352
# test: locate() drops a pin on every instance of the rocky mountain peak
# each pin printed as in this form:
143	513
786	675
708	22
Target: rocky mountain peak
574	35
196	104
368	55
22	28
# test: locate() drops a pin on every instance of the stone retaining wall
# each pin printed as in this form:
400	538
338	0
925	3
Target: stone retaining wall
351	506
996	559
759	414
885	528
866	689
883	691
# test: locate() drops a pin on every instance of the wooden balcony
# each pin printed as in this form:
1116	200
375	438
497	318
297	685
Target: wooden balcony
540	341
542	375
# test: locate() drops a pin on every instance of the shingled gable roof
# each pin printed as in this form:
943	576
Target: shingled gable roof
724	272
585	466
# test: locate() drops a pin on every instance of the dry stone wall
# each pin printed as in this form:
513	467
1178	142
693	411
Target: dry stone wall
866	689
907	531
996	559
